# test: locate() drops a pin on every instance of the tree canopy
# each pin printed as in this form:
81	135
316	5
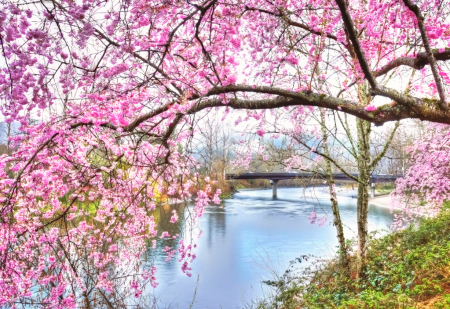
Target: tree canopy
117	85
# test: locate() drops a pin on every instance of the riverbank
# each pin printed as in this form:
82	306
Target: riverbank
407	269
381	201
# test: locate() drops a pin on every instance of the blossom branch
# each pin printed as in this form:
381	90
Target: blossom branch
356	45
423	32
412	107
418	62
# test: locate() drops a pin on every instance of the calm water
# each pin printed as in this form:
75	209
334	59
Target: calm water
245	237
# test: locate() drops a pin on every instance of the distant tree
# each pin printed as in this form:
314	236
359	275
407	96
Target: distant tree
213	146
396	160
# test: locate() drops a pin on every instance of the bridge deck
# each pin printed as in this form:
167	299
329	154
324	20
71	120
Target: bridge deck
283	176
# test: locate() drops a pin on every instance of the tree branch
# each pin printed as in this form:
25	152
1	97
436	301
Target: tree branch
417	62
355	42
327	157
134	53
423	32
292	23
408	107
385	148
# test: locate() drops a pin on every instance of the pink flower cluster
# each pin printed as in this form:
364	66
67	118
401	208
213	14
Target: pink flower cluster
370	108
426	184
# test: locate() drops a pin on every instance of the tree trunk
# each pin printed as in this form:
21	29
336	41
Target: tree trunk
333	198
363	158
362	211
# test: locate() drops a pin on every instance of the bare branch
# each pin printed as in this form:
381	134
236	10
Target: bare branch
385	148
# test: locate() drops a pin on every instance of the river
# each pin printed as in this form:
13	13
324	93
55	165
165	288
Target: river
246	237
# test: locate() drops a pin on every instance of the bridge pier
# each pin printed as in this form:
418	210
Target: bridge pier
274	187
372	189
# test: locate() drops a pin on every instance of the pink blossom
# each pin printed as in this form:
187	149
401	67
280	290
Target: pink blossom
165	234
370	108
135	286
292	59
322	220
260	132
312	217
231	80
174	217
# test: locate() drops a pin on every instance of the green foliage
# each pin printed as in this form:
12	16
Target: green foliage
239	186
385	188
443	303
446	205
226	195
407	269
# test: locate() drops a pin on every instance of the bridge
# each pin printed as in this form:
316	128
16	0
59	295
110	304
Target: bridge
276	177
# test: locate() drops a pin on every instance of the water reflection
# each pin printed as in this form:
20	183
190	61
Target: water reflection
216	225
245	237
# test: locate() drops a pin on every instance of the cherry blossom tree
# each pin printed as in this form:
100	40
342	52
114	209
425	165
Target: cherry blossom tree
425	186
117	85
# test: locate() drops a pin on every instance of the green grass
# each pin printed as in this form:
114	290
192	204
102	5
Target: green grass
407	269
385	188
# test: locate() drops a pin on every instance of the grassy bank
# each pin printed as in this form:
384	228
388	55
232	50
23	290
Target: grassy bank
385	188
408	269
